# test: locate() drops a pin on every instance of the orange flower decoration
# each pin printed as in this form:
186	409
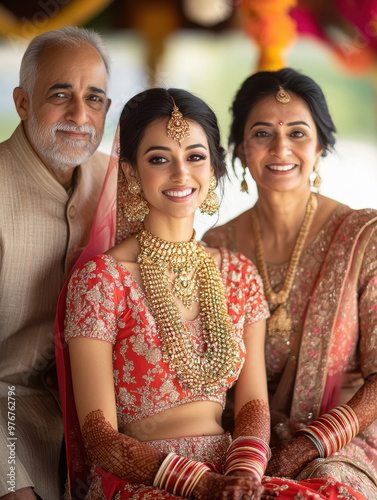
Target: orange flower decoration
269	24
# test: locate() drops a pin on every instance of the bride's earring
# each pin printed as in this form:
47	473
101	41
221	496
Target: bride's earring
211	203
135	207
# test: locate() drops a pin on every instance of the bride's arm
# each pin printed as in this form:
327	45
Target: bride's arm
93	385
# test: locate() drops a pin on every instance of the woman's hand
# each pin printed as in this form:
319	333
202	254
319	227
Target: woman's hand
240	485
289	459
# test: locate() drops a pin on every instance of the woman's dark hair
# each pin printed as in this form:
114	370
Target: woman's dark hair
142	109
266	83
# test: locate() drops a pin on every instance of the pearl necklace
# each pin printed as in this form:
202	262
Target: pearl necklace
280	323
199	371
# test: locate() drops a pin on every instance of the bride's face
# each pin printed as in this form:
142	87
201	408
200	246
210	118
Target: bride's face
280	145
174	179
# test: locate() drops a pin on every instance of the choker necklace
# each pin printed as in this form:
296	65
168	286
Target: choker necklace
199	371
280	324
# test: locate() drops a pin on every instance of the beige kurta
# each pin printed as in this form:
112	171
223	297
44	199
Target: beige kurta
42	229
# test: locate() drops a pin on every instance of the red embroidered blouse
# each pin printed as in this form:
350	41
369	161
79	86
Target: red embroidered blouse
105	302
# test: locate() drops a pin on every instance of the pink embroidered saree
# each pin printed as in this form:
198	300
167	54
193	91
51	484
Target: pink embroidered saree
333	347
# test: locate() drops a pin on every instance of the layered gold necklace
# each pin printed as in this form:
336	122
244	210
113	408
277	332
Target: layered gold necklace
280	324
193	269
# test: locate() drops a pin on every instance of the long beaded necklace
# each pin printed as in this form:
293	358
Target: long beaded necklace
199	371
280	324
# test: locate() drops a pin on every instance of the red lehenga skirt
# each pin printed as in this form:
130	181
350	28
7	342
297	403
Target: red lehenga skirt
212	450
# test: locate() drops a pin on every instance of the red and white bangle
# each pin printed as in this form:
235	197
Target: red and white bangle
179	475
333	430
248	453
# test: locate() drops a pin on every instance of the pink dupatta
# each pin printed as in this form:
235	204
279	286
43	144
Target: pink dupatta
109	227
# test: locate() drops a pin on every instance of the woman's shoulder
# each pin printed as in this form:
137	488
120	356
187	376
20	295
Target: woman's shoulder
226	235
354	220
237	267
233	265
91	264
99	268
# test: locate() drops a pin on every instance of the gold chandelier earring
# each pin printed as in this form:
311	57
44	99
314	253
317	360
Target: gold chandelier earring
211	203
135	208
244	186
317	180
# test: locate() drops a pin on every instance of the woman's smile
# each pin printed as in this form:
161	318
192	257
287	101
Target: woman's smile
179	194
281	168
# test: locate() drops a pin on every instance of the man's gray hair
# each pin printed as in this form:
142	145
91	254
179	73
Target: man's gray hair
66	36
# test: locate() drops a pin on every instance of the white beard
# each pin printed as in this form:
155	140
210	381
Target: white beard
53	150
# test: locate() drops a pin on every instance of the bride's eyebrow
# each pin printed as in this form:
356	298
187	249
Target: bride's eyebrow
194	146
156	148
164	148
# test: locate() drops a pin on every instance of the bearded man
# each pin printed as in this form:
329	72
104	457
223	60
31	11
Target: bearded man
50	181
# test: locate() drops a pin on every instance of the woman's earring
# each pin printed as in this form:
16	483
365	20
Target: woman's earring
135	208
211	203
317	179
244	186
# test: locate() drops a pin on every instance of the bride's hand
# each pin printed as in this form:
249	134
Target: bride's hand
239	485
289	459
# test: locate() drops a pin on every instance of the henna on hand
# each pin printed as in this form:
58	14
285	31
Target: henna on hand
240	484
289	460
117	453
363	402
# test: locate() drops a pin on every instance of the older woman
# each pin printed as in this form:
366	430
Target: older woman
318	262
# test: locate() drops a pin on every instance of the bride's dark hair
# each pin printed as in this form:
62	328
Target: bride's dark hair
152	104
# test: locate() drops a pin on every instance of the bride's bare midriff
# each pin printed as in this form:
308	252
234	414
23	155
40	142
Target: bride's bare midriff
201	418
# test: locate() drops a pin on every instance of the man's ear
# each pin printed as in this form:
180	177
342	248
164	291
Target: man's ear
108	104
22	102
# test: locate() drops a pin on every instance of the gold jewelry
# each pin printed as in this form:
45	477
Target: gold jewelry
199	371
282	95
135	207
211	203
317	180
178	128
280	323
244	186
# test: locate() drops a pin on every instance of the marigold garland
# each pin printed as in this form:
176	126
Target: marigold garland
269	24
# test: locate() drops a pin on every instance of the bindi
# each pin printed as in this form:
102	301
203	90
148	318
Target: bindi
281	123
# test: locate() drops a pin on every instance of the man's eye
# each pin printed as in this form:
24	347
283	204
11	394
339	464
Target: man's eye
96	98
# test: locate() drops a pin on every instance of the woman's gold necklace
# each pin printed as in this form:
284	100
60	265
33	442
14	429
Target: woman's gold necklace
198	371
280	324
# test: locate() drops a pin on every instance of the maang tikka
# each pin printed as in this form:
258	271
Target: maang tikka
178	128
282	96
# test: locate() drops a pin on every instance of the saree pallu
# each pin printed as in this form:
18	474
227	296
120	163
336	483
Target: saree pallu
336	345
